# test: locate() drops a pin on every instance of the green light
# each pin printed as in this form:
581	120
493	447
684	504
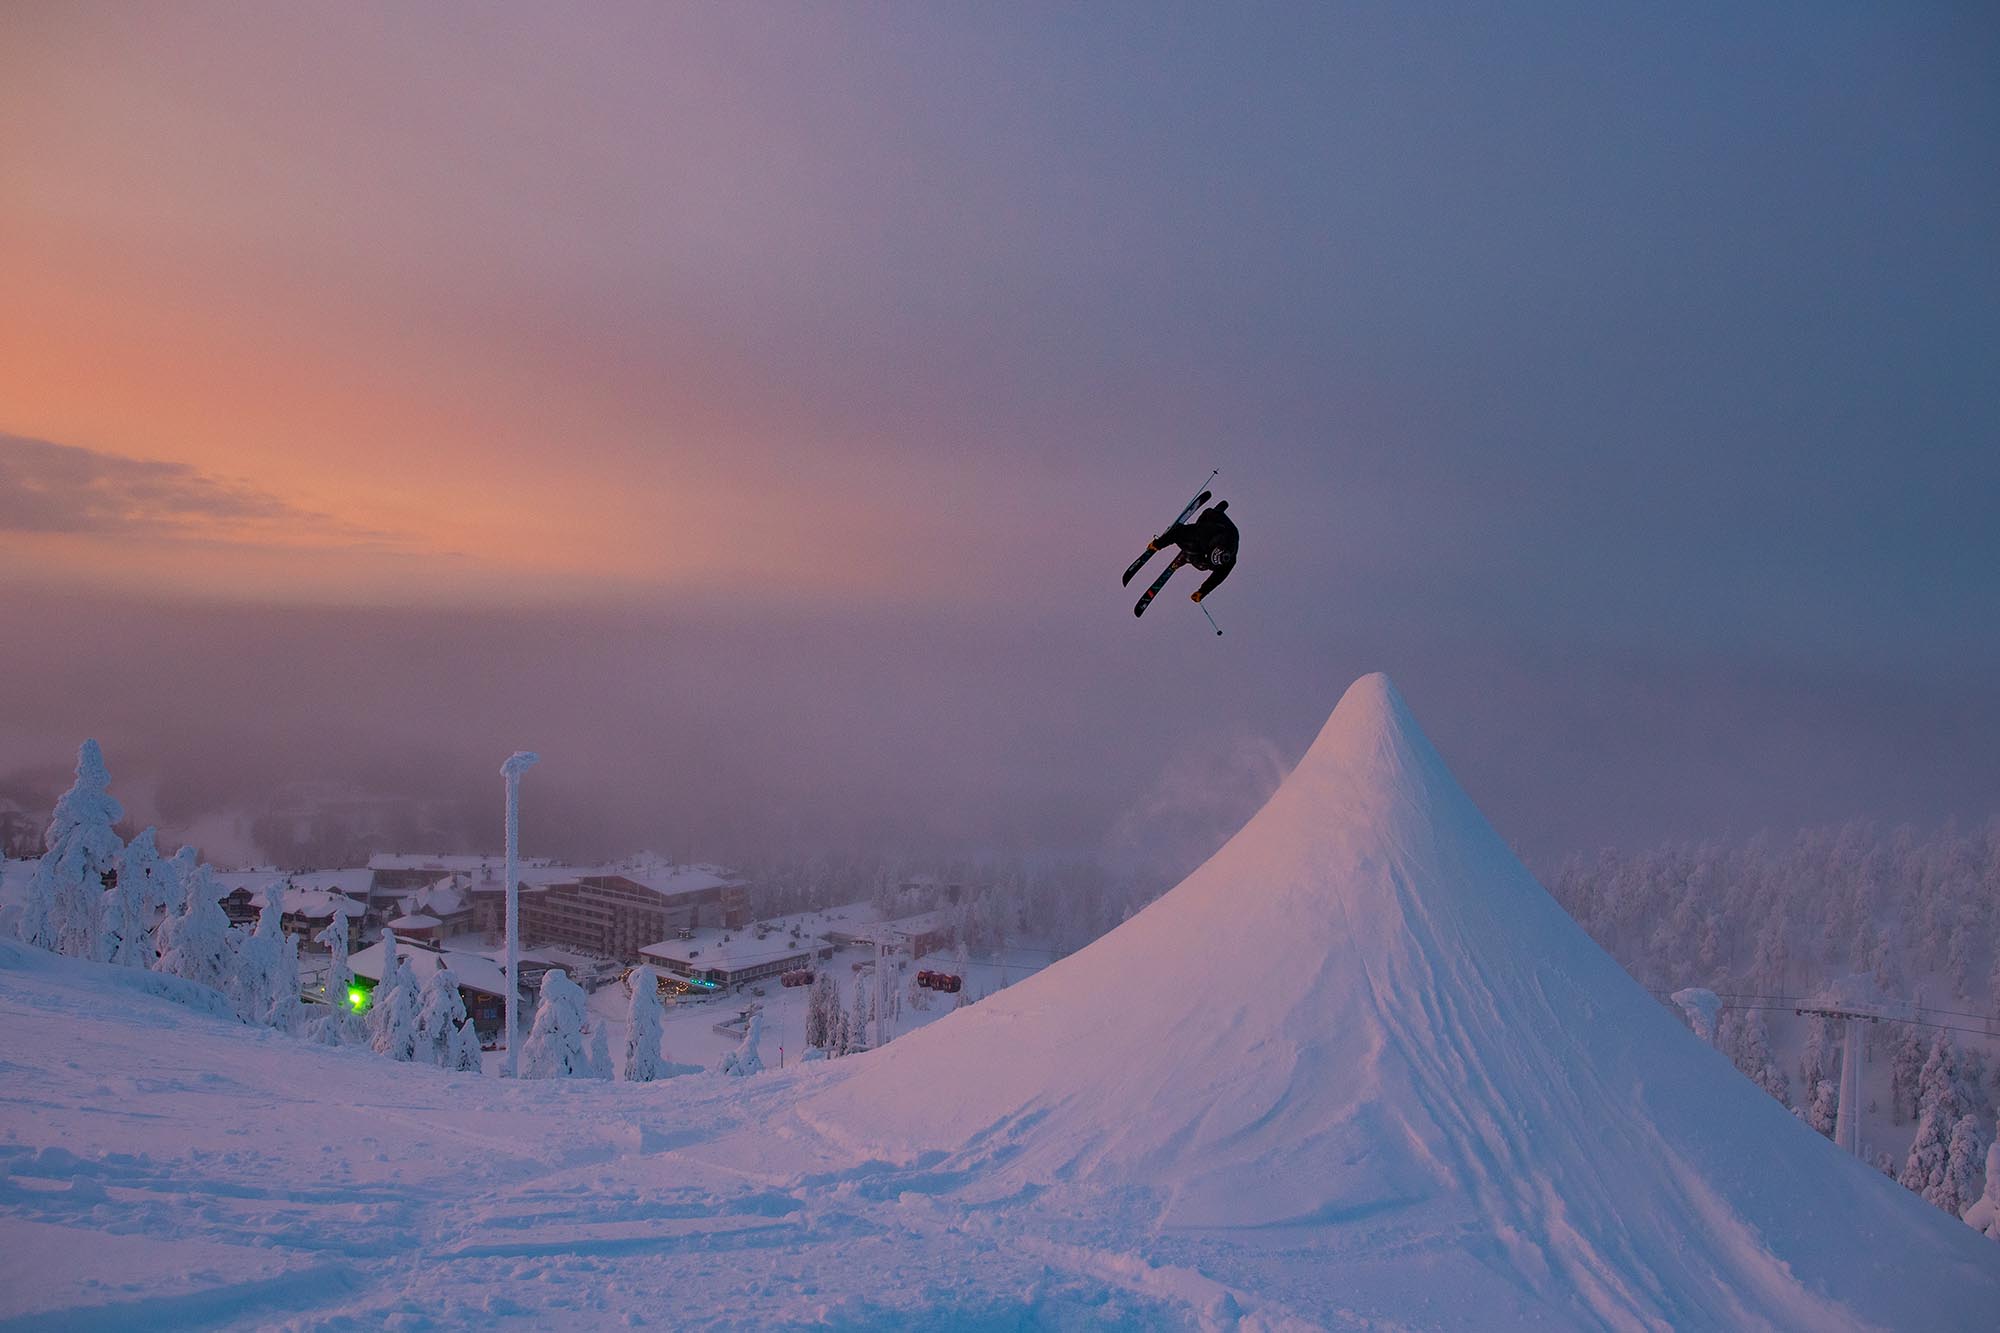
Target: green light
358	998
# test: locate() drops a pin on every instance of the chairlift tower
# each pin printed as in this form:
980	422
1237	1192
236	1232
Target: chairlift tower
517	764
1847	1119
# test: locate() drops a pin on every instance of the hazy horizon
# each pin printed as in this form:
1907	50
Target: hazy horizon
751	410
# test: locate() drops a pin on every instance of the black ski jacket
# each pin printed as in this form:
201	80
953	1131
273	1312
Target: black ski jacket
1209	542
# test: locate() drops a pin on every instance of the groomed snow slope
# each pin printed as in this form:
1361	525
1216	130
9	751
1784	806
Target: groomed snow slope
1363	1027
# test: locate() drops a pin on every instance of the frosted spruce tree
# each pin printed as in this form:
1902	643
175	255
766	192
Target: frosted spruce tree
1984	1214
645	1029
440	1014
393	1005
1823	1111
1752	1055
336	1026
132	903
65	905
198	945
555	1049
1939	1108
1964	1162
267	973
394	1032
463	1056
823	1018
746	1058
861	1015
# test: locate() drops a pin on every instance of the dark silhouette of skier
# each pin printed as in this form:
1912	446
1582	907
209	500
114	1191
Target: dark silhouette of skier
1208	543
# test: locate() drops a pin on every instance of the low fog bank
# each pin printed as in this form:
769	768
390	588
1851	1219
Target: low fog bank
761	733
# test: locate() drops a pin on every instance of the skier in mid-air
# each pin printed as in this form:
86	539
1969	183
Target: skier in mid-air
1208	543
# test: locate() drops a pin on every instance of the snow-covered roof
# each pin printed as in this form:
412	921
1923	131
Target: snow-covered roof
311	893
444	897
742	950
415	921
471	969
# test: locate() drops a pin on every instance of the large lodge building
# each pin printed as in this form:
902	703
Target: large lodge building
611	911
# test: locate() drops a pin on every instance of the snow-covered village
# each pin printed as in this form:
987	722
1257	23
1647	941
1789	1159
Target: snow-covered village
1135	666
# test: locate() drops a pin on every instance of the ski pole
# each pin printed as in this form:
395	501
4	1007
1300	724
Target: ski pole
1211	622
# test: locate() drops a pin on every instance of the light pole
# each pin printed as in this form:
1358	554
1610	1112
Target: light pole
520	762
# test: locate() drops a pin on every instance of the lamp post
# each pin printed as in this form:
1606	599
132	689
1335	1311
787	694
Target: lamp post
520	762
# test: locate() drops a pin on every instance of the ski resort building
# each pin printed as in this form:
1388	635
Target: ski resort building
482	983
609	911
733	958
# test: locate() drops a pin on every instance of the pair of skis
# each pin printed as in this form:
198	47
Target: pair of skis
1180	558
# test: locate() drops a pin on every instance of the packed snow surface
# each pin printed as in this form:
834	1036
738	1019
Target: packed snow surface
1358	1070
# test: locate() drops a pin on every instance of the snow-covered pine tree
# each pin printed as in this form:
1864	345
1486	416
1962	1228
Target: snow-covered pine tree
464	1053
1824	1111
1906	1064
746	1058
338	1021
1984	1214
65	905
600	1048
129	904
1822	1054
1965	1158
260	962
391	1021
823	1014
645	1028
554	1048
283	1013
960	965
861	1014
440	1011
177	880
377	1015
1752	1055
198	944
1938	1111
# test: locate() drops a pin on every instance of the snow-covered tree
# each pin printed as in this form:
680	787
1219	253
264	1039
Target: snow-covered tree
862	1013
555	1048
960	965
463	1055
1823	1112
198	944
267	978
1939	1109
1701	1007
1751	1052
1965	1158
599	1047
823	1019
1984	1214
337	1024
1821	1059
283	1013
746	1058
646	1027
1906	1064
130	905
440	1011
65	904
394	1011
393	1006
